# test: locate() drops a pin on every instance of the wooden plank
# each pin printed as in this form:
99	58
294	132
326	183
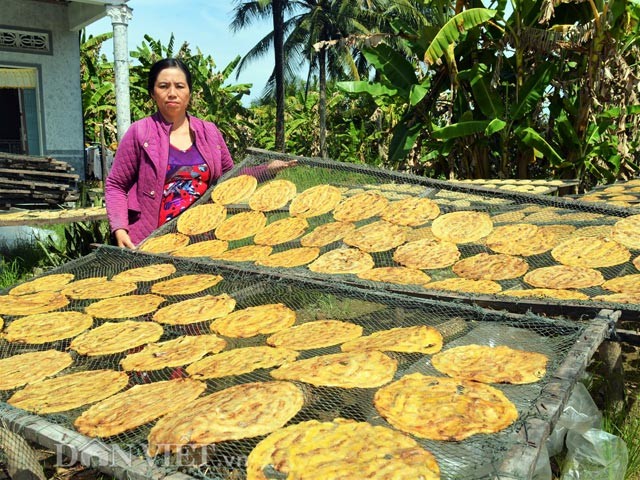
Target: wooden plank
8	193
631	337
555	394
47	162
18	156
32	218
38	167
584	350
520	461
33	183
39	174
43	161
45	194
28	194
547	307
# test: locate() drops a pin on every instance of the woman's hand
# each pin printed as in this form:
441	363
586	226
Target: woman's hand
276	165
122	238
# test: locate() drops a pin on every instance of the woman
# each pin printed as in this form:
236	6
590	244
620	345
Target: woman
164	162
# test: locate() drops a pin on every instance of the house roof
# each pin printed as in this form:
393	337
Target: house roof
84	12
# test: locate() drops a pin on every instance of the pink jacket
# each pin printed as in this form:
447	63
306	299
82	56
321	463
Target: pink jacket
133	189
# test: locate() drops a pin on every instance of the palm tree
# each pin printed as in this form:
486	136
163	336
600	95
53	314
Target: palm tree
278	49
246	13
313	30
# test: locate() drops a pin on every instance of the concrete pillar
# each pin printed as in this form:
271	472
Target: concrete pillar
120	16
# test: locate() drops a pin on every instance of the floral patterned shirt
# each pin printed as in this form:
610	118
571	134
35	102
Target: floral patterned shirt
186	180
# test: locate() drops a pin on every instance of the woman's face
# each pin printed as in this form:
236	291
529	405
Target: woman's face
171	93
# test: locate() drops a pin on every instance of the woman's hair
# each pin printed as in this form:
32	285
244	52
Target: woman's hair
160	65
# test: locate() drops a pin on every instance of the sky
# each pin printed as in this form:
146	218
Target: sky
204	24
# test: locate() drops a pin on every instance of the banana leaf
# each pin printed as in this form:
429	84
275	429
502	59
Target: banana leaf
461	129
451	31
394	66
533	139
404	137
361	86
488	101
532	91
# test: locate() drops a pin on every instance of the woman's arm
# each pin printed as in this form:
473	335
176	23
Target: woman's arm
225	155
121	178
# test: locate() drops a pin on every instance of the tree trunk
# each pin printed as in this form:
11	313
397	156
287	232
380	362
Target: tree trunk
524	160
588	92
278	48
322	107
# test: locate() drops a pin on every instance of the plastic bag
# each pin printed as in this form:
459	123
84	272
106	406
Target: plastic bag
595	455
579	415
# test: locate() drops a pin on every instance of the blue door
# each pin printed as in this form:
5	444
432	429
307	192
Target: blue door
30	121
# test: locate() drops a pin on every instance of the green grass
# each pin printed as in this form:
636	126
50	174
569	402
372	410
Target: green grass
27	257
305	177
626	425
10	273
18	261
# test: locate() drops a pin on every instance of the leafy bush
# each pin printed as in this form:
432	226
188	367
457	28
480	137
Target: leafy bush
79	240
21	259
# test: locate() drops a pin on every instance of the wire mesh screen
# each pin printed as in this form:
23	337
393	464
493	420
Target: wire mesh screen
621	194
17	457
537	186
529	256
568	346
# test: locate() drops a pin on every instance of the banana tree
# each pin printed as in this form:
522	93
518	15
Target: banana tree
512	124
420	82
98	99
597	113
504	93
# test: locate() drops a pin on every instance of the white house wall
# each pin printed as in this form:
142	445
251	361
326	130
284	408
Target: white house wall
60	101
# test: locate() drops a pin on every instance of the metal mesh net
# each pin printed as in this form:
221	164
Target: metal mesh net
481	456
17	458
621	194
568	218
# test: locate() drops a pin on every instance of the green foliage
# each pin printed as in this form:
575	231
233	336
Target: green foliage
359	128
305	177
527	91
484	93
91	194
10	272
98	93
627	427
28	257
451	31
79	240
22	259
